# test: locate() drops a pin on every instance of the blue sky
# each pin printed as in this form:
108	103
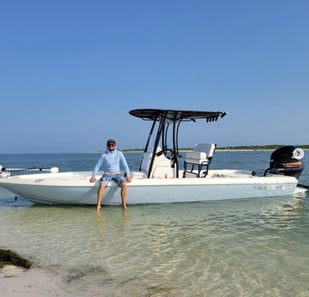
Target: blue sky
71	71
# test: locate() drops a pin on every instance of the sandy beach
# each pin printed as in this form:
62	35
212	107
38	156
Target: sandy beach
18	282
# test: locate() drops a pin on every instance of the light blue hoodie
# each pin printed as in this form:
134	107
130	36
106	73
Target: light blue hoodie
112	161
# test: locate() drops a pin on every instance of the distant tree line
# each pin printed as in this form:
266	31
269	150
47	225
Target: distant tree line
259	147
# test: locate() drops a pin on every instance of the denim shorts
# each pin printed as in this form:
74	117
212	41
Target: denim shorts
117	178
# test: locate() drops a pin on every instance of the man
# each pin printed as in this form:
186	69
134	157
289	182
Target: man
111	160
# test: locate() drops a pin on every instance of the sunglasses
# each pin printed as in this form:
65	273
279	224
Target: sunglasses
110	144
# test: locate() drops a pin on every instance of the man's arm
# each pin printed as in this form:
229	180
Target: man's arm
96	169
124	163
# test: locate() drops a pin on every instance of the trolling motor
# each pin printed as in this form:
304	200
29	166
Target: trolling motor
3	172
286	160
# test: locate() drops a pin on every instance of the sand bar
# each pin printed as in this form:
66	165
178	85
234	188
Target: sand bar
19	282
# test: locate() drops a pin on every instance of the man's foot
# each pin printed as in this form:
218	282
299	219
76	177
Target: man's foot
98	207
124	207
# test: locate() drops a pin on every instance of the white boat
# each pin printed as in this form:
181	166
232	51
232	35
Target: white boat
162	177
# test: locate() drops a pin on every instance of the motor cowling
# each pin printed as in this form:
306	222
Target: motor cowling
287	160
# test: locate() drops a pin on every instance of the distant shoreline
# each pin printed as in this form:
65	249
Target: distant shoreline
231	148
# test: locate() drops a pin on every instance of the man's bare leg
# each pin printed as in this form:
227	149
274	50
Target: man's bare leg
124	195
100	195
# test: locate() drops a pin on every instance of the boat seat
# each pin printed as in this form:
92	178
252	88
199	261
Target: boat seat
147	156
201	157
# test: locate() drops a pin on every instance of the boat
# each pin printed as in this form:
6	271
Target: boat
163	176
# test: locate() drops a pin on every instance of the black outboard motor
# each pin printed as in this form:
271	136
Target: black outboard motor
287	160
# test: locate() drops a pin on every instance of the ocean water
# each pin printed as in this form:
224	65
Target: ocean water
251	247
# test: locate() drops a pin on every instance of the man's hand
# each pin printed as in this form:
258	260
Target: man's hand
92	179
129	179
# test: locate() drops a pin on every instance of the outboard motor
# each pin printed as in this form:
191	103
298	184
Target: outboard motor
287	160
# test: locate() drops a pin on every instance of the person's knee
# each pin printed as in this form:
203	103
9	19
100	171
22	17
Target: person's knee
101	187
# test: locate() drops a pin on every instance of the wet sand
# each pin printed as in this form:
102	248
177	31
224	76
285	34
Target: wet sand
20	282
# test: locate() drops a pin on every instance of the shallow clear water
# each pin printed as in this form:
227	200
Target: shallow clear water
224	248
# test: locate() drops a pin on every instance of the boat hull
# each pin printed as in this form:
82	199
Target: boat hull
75	188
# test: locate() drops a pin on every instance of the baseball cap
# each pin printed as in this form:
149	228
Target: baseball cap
111	141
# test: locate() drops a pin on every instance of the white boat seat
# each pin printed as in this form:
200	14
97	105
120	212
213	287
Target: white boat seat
201	157
161	167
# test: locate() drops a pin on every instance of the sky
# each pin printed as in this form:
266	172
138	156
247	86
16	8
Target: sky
71	70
